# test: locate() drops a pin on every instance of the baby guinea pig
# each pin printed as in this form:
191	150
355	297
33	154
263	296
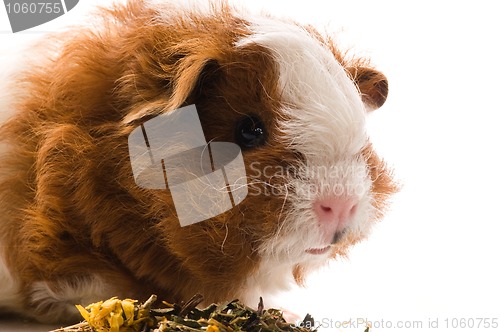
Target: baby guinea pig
76	227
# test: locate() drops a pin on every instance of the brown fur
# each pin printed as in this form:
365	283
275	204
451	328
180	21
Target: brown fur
71	205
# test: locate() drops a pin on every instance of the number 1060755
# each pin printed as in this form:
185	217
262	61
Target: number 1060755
34	8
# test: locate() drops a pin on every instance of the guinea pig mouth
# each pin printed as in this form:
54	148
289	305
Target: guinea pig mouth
319	251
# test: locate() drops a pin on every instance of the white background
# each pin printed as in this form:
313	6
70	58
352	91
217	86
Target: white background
436	254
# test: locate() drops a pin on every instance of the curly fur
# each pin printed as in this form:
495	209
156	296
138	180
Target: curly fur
76	228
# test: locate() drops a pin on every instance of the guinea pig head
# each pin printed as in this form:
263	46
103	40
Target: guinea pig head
296	108
327	181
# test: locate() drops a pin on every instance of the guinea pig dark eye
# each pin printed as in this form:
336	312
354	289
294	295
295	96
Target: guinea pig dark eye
250	132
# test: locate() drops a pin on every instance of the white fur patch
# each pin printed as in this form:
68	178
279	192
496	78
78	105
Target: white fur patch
271	277
327	126
9	289
326	106
61	302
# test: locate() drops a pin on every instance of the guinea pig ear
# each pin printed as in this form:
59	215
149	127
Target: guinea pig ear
193	76
188	80
372	84
207	77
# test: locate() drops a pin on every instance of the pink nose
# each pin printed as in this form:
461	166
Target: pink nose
335	211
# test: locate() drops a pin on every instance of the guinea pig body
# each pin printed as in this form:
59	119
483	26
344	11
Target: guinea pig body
76	227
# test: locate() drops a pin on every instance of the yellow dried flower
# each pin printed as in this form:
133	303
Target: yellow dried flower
112	315
212	328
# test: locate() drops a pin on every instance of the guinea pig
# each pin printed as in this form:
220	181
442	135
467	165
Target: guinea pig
76	226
